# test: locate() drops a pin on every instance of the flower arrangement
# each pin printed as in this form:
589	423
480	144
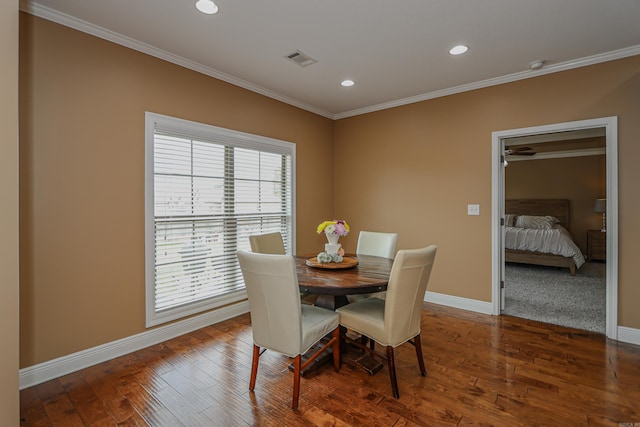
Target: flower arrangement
333	251
337	226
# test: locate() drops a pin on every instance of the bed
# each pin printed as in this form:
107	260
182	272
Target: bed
536	232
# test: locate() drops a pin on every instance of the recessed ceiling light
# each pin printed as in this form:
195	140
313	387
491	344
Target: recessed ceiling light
347	83
206	6
458	50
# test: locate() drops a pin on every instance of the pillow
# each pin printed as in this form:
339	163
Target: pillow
553	219
540	222
509	220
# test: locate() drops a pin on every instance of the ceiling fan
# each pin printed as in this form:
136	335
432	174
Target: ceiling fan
519	151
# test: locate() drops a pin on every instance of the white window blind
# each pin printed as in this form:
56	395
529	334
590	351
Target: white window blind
207	190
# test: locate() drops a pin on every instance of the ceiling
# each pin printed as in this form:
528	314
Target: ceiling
396	52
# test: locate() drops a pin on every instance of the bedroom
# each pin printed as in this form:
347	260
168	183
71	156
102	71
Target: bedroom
573	168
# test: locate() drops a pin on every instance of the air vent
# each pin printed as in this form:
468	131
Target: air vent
300	58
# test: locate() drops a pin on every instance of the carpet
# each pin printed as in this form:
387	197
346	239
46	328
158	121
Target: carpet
552	295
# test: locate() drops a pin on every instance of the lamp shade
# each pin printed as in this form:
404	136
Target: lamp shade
600	205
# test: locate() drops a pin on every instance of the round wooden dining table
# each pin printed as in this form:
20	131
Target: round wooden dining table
332	284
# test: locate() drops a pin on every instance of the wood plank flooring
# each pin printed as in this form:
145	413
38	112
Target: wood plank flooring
481	370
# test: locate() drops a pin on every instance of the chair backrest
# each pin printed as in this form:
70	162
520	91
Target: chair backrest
377	244
274	301
405	293
270	243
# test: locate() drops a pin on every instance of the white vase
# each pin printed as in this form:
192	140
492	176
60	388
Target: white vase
333	246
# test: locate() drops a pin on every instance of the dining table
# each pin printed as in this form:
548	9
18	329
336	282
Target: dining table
332	283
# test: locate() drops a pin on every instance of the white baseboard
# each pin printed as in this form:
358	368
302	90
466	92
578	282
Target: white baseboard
459	302
55	368
629	335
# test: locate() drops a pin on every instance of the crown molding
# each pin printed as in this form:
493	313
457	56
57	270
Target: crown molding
548	69
33	8
103	33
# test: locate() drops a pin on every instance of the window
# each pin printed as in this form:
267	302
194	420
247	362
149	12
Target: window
206	190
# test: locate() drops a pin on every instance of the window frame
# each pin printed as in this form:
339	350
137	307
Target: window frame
203	132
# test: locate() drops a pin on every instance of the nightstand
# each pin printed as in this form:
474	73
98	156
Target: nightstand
596	245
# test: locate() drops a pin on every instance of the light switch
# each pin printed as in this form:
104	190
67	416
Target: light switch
473	209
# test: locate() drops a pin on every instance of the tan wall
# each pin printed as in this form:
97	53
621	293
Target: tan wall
82	177
582	180
413	169
9	327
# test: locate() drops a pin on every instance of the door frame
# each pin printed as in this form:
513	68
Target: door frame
610	124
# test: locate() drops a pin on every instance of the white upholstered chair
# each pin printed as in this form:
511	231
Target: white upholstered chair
278	320
375	244
272	243
396	319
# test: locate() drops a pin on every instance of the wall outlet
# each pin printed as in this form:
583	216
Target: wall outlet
473	209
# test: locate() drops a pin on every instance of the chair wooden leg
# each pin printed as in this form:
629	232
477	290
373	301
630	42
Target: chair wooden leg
392	371
254	367
337	359
296	381
418	346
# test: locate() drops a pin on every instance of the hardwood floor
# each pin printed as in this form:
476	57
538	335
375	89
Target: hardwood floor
481	370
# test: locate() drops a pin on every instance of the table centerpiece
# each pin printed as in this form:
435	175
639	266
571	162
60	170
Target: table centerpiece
333	230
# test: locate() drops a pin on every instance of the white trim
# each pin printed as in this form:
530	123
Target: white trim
86	27
44	12
612	226
42	372
629	335
548	69
205	131
624	334
55	368
458	302
497	209
160	123
610	124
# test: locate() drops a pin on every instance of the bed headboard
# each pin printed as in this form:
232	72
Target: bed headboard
554	207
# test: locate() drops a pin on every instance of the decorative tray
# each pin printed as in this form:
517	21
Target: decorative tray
347	262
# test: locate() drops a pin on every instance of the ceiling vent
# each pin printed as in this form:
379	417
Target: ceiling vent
300	58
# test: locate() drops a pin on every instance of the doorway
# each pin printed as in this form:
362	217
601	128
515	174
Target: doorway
609	125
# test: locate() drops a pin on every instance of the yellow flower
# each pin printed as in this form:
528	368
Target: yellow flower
322	226
336	226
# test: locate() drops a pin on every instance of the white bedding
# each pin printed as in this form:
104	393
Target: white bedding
556	241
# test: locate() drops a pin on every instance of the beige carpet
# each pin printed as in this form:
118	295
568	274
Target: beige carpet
552	295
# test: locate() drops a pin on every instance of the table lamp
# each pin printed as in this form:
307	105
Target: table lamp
601	206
